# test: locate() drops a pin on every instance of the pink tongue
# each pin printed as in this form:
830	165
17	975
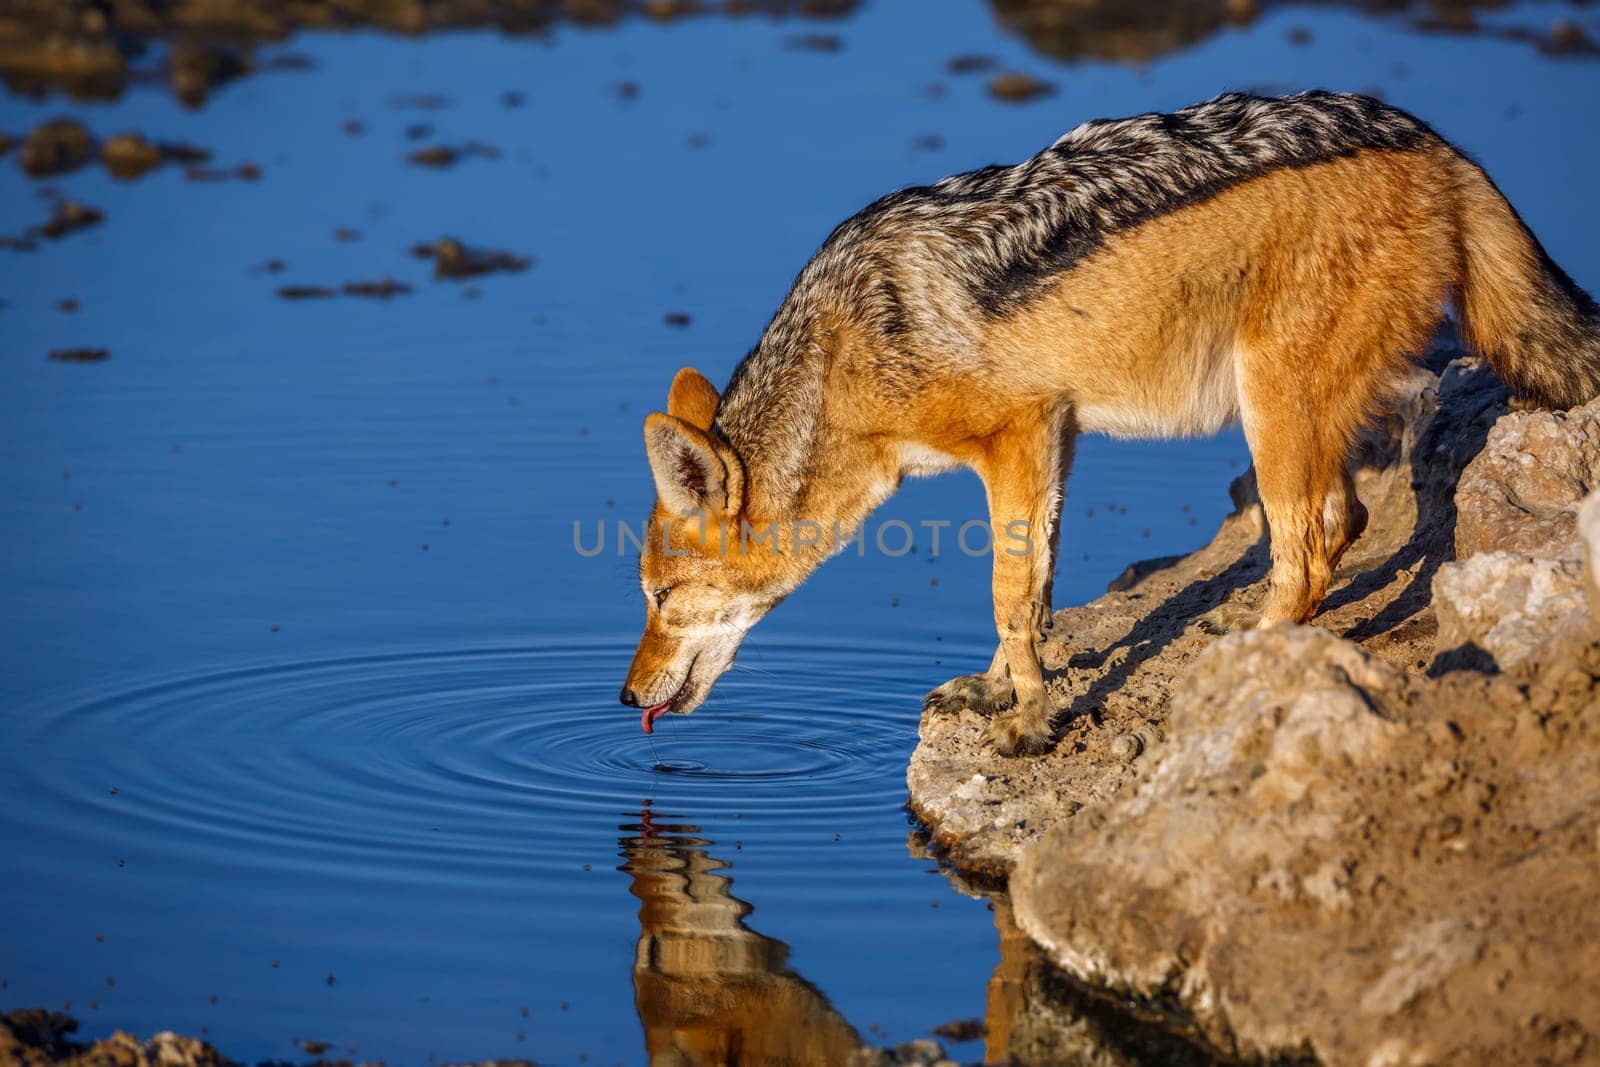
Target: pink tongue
652	713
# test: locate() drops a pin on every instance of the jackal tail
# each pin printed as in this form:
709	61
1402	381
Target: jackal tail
1538	330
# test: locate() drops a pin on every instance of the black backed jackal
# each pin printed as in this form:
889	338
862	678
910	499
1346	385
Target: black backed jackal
1275	261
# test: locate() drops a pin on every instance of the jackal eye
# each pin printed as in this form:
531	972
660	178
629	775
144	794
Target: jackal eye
660	596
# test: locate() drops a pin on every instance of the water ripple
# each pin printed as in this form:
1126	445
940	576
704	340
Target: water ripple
438	766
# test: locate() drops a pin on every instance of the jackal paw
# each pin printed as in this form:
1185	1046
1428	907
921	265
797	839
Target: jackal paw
982	693
1018	734
1228	617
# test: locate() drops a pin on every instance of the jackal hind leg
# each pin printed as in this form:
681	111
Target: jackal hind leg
1344	518
1302	563
1300	444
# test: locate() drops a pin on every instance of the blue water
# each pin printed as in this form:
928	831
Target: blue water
309	703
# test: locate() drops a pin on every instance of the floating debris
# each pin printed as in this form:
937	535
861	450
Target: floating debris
971	63
306	292
131	155
244	171
1017	88
679	319
382	289
69	217
59	146
452	259
419	101
961	1030
814	42
1568	38
444	155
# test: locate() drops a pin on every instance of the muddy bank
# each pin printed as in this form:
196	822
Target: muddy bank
92	50
1406	792
1142	30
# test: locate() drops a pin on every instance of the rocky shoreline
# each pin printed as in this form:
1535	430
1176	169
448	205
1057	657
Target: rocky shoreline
1374	839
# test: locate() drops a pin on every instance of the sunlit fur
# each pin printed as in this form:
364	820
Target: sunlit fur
1274	261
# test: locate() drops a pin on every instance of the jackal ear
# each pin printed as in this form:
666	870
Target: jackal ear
693	399
695	471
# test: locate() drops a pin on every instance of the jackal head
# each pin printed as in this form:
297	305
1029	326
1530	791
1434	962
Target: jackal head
703	588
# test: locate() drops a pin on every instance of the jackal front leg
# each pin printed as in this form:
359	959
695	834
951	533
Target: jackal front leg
1023	471
987	693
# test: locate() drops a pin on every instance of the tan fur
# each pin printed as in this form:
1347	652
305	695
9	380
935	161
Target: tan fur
1292	302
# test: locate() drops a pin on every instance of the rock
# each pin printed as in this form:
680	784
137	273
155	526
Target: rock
33	1038
1509	606
1589	541
56	147
1521	493
36	1038
1314	803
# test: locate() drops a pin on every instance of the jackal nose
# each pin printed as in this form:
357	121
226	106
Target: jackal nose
629	697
